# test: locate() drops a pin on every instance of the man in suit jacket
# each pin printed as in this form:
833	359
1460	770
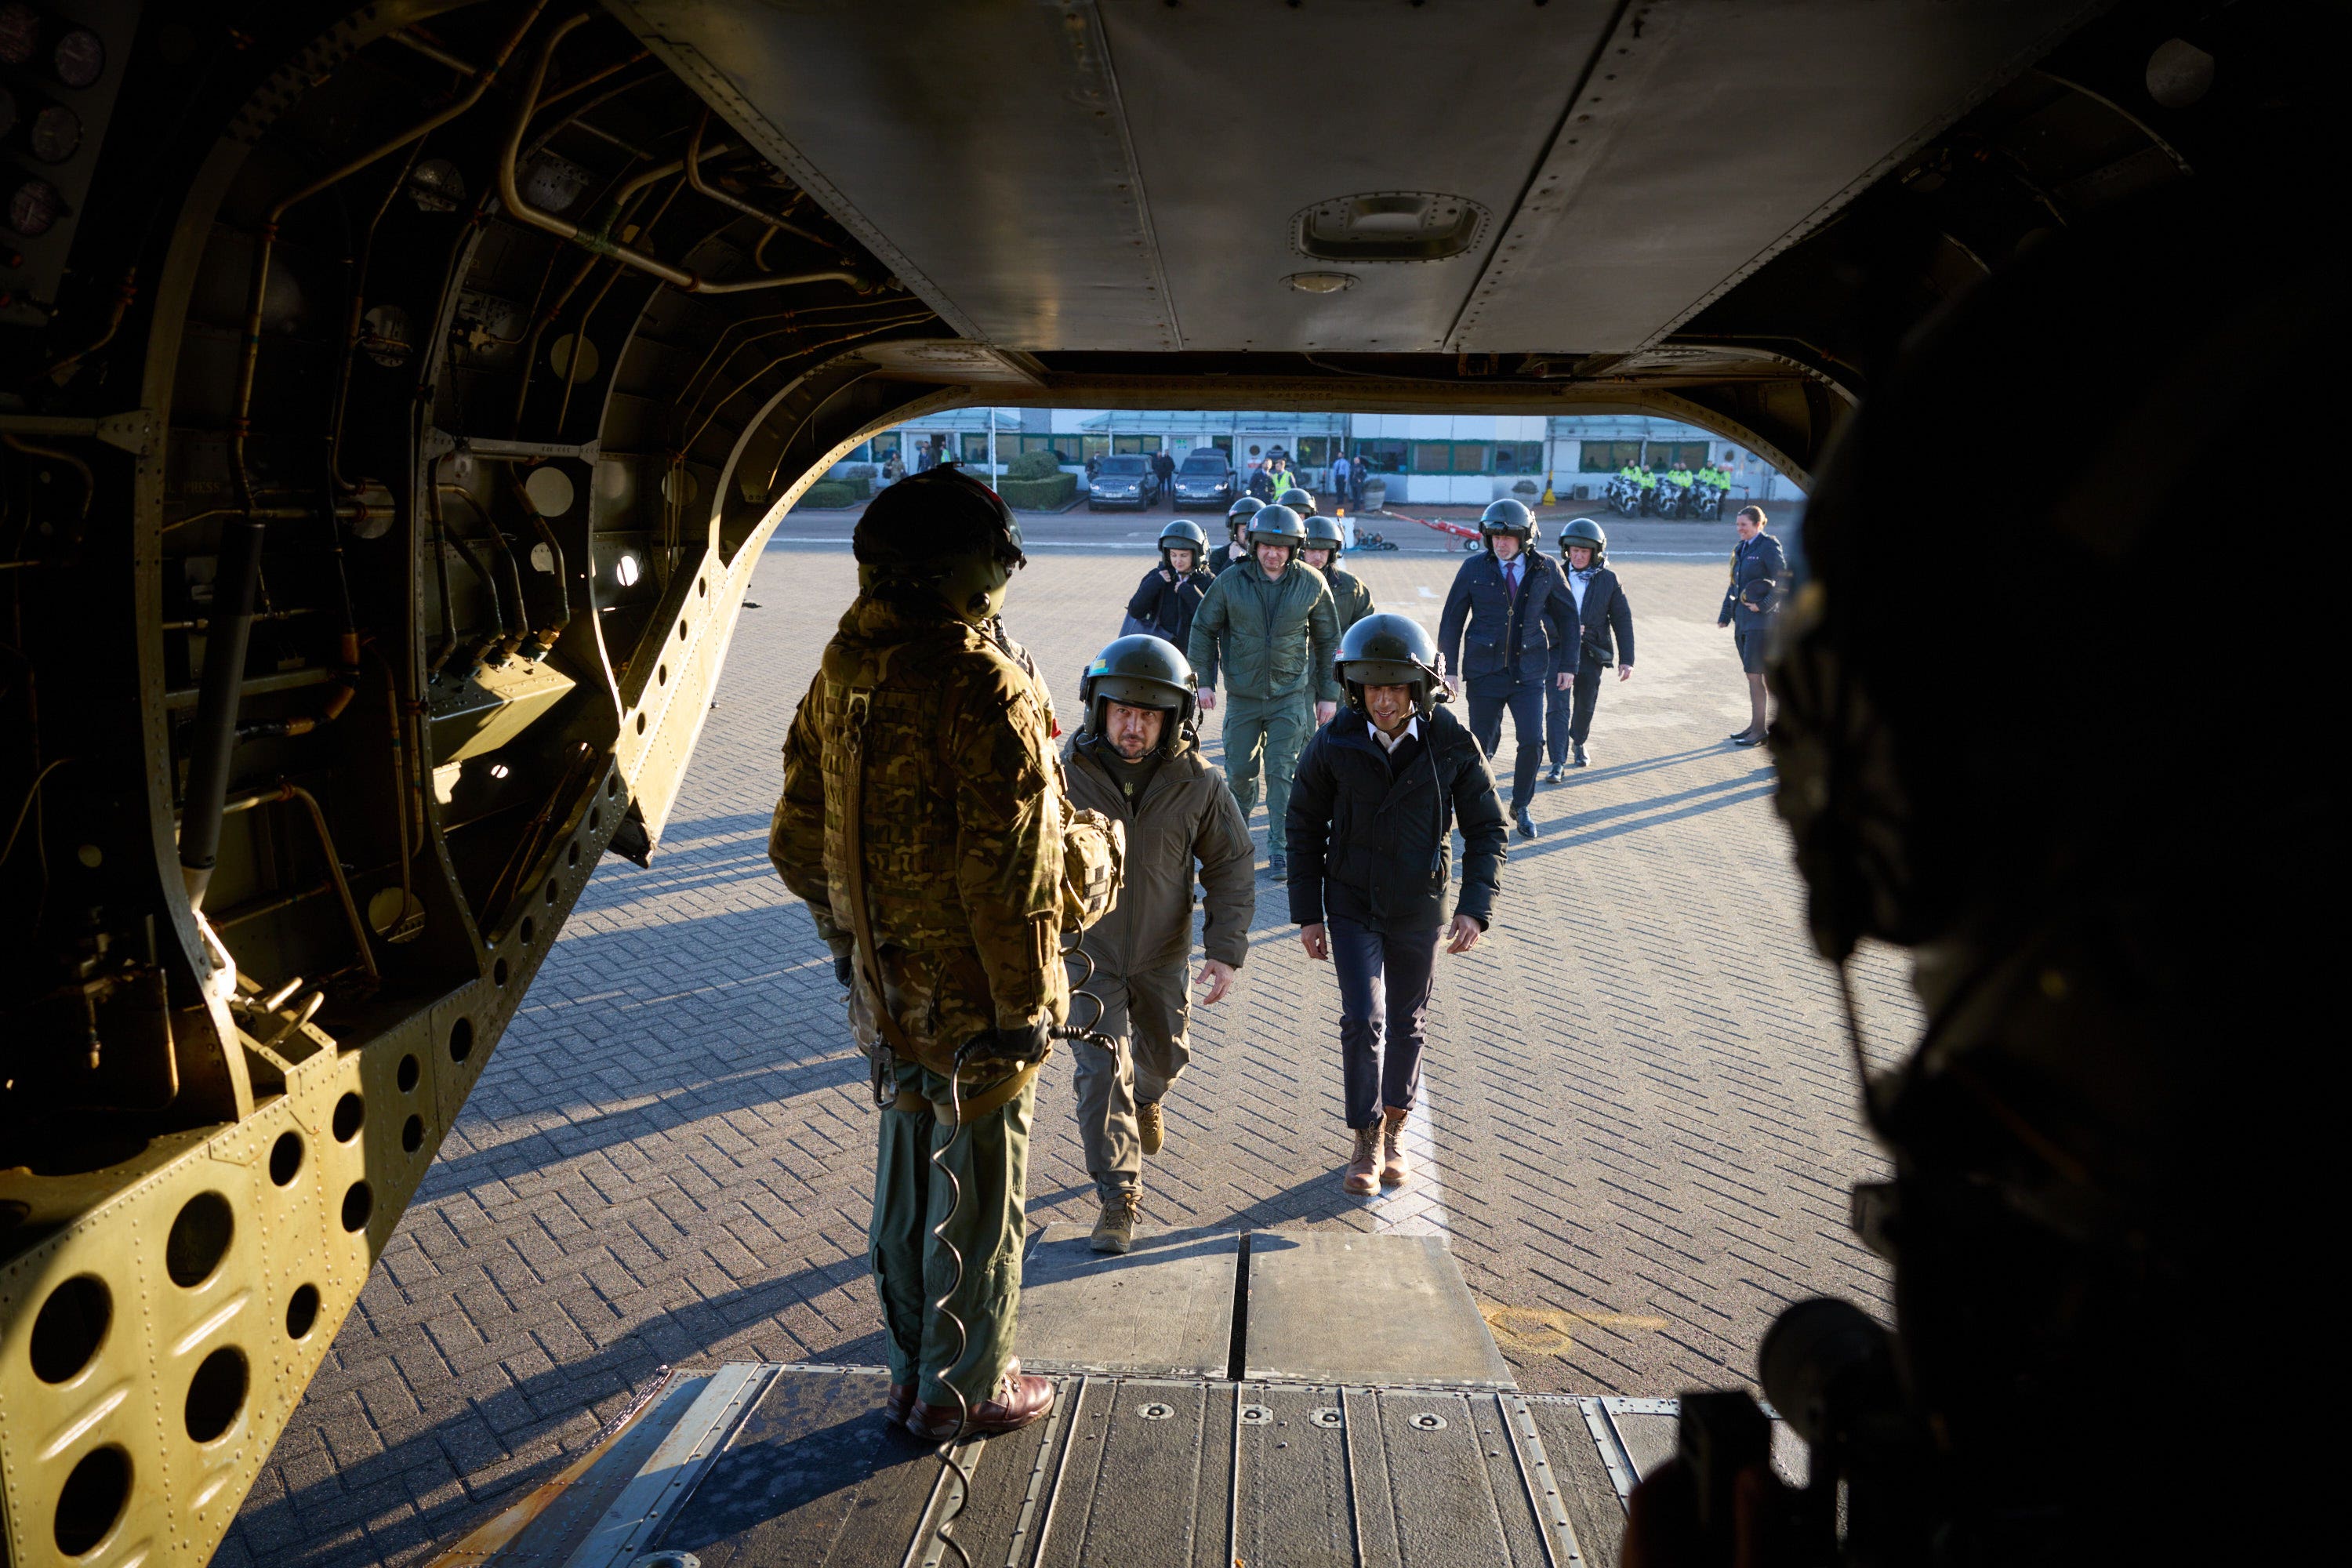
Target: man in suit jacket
1759	581
1512	609
1604	635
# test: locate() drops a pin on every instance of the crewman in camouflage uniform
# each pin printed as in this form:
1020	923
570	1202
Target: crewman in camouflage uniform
1350	600
1270	625
920	769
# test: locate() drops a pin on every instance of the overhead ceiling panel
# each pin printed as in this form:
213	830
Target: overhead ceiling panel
1713	135
1568	177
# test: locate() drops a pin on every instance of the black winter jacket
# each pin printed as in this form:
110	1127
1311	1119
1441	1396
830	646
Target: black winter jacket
1167	608
1541	623
1369	837
1753	560
1605	621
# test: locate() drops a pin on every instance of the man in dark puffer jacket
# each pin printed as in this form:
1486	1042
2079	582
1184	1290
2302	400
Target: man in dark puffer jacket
1376	792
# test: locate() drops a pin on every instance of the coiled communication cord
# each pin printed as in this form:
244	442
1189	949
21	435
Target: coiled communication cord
1092	1033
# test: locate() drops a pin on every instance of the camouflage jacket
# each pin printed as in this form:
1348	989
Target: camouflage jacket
962	820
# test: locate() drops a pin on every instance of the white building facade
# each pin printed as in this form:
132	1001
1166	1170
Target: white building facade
1423	459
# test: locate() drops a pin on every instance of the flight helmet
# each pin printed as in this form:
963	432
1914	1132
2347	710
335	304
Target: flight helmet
1389	649
1584	530
1506	517
942	532
1276	525
1323	534
1241	512
1183	534
1142	671
1297	500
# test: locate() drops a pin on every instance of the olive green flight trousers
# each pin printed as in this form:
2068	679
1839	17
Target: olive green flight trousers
1265	735
990	1156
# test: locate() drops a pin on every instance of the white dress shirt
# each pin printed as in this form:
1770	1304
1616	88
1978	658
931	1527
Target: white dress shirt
1389	744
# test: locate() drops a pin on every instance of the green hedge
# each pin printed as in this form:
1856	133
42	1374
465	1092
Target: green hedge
1039	494
828	493
1031	466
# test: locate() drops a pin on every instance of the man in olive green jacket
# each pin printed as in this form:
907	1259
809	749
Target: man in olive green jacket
1137	761
1271	623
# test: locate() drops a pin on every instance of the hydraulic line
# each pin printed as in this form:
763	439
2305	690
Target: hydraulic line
292	792
545	635
359	274
238	574
218	740
694	156
802	352
514	635
601	242
448	644
491	643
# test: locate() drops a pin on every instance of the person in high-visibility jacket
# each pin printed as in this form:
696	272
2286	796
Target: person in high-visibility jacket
1679	474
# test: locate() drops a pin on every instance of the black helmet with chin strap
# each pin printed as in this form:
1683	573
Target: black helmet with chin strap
1297	500
1323	534
1241	512
1141	671
1506	517
1183	534
1389	649
1585	531
1276	525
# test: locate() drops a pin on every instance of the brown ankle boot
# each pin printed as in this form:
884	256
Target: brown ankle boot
1363	1170
1394	1166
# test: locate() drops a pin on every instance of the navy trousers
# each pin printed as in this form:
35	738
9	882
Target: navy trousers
1384	984
1571	719
1489	695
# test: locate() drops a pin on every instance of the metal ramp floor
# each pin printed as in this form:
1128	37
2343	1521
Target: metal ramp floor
1213	1409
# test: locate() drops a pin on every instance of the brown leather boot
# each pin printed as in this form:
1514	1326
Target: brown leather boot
1394	1166
1020	1399
901	1400
1363	1171
1150	1127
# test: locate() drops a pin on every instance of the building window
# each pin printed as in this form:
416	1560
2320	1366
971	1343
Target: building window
1518	458
1093	446
1381	455
1131	444
1473	456
1432	456
1682	454
1314	452
1607	456
975	447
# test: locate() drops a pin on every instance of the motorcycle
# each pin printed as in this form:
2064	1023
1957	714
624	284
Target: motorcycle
1623	496
1669	498
1706	503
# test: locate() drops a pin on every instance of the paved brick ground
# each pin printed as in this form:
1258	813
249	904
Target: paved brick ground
1640	1122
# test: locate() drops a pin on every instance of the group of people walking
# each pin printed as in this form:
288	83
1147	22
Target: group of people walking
968	880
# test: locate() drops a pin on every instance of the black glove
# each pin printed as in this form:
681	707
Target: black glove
844	967
1025	1043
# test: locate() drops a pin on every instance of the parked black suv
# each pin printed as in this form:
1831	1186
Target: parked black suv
1205	480
1123	480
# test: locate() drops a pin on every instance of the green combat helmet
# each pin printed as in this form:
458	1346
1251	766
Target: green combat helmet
1276	525
1183	534
940	532
1585	531
1506	517
1389	649
1142	671
1323	534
